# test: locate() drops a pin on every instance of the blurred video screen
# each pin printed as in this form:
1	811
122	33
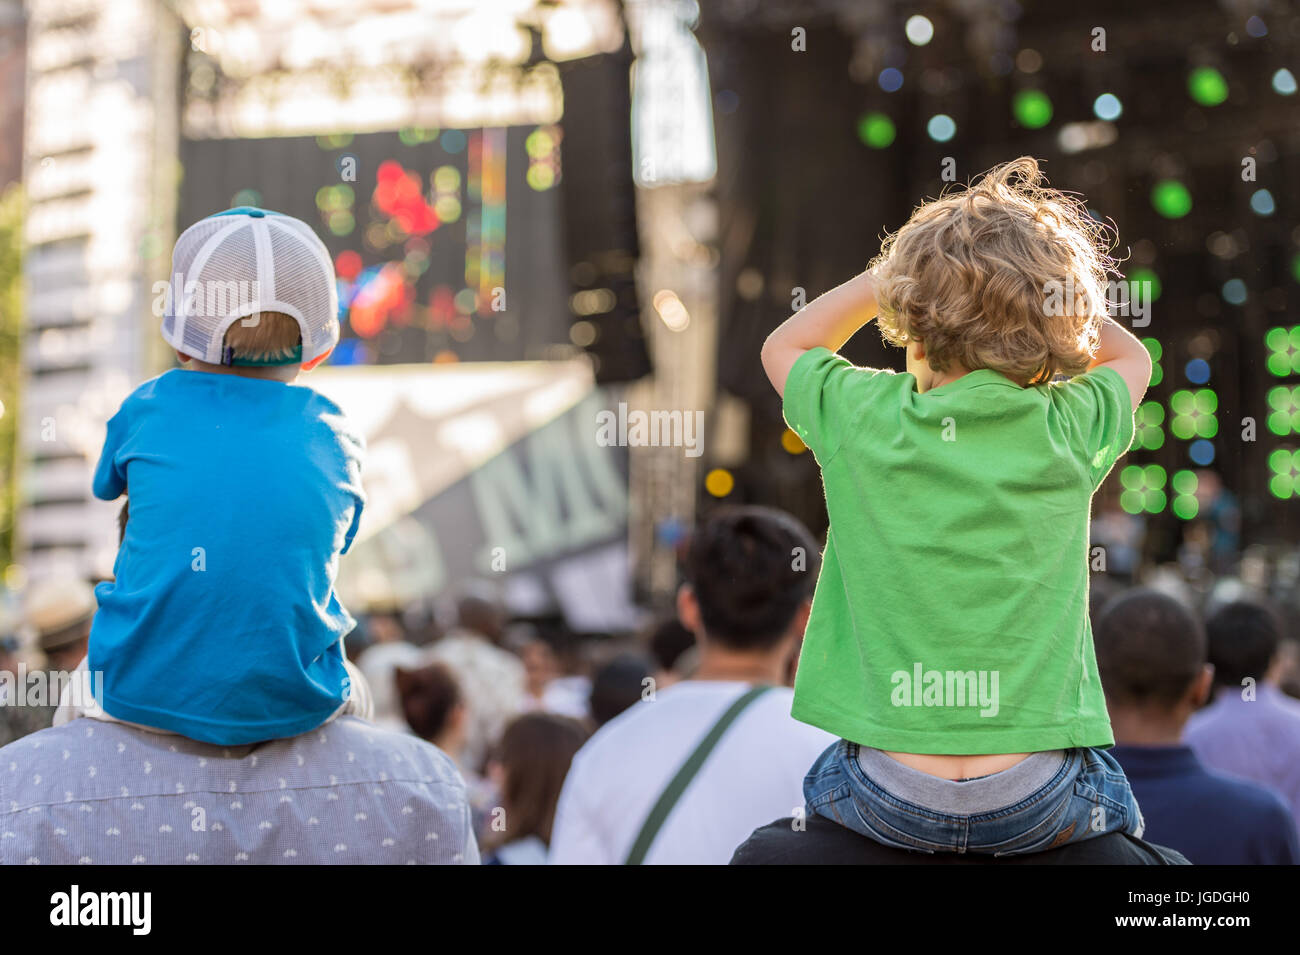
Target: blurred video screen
447	244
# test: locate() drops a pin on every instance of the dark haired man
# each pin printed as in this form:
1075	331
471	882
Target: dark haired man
685	775
1252	729
1151	654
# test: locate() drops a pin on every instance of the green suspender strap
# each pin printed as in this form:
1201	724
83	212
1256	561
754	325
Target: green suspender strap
659	814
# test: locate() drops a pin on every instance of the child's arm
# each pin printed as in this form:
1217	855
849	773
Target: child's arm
109	483
828	321
1121	351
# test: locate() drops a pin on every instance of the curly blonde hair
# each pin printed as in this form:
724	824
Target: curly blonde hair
1006	274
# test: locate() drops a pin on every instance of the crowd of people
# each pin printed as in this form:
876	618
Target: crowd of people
938	682
544	747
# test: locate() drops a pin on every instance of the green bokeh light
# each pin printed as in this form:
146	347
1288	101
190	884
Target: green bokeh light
1150	281
1284	419
1171	199
1207	86
876	130
1184	504
1143	489
1283	351
1285	480
415	135
1154	349
1150	436
1032	109
1193	413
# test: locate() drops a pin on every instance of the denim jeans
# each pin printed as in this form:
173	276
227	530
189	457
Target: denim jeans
1042	802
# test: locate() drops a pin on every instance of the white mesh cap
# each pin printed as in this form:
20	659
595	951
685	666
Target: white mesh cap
243	261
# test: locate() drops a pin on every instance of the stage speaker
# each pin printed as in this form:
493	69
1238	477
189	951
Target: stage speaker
599	206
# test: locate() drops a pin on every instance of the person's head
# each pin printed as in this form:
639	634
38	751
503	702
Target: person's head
1151	656
750	575
433	705
59	612
529	767
540	665
377	663
1006	274
253	294
1244	641
618	684
481	613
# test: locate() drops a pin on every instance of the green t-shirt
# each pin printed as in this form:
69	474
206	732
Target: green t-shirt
951	612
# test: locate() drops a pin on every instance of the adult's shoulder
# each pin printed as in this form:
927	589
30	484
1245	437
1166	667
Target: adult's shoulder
1247	801
818	841
346	751
387	752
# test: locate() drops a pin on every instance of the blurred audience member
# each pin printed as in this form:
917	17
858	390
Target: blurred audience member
1118	533
1151	653
16	721
669	641
1252	729
549	689
528	770
686	776
1220	514
378	663
493	680
618	684
569	694
540	668
59	611
1288	680
434	708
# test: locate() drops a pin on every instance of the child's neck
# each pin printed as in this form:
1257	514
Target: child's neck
285	373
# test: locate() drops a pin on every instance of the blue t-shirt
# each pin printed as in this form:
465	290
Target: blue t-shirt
221	623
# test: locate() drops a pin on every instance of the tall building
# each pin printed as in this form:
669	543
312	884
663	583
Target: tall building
99	168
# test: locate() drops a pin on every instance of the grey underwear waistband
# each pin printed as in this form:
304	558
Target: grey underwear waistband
971	796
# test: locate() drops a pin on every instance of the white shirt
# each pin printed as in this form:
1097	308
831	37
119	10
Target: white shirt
753	776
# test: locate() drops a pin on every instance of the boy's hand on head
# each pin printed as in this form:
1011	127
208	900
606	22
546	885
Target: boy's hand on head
828	321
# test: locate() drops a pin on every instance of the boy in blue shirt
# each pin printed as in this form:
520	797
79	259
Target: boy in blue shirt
221	623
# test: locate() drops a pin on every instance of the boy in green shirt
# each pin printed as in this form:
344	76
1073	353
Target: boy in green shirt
949	644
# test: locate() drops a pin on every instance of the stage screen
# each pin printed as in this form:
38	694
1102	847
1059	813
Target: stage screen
448	244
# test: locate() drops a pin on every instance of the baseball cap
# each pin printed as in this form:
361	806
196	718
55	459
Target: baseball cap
243	261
